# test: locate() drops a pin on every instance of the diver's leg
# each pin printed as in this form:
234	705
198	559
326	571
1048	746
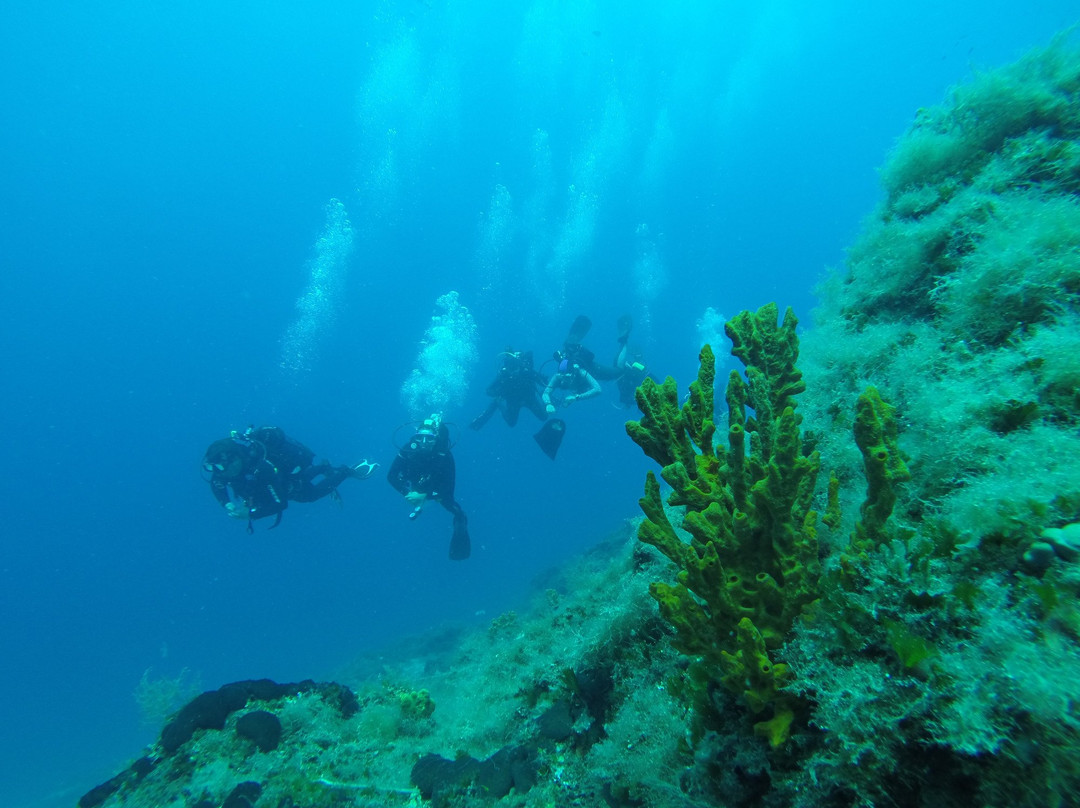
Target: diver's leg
620	357
315	482
510	413
485	416
537	408
623	329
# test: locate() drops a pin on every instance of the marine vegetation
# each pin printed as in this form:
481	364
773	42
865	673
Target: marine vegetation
944	661
750	567
751	564
916	644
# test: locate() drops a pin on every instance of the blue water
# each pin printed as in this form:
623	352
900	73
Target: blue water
167	201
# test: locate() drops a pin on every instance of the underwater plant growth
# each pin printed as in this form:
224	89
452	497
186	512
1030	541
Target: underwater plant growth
915	644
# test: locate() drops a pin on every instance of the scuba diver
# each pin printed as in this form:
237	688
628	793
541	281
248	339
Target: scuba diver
577	353
578	370
630	361
424	470
257	473
515	386
573	380
576	378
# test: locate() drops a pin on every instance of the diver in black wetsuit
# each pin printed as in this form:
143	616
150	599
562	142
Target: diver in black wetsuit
515	386
577	354
424	470
256	474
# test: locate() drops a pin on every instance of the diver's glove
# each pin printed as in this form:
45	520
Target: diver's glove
550	409
364	469
417	499
235	511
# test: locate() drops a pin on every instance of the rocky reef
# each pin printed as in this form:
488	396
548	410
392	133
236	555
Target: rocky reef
944	661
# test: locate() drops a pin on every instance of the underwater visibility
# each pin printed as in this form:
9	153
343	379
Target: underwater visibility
856	579
559	404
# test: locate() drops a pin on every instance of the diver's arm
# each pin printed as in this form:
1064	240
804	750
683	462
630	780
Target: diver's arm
594	387
229	495
546	397
220	490
398	476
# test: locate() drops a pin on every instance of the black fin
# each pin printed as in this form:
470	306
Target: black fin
550	436
460	546
623	328
579	330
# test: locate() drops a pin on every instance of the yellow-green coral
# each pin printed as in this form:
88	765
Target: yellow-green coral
751	564
875	434
749	671
415	705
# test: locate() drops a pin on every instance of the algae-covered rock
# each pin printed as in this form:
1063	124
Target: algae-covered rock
960	302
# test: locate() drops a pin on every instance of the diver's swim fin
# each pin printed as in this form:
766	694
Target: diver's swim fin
578	330
460	546
550	436
623	328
